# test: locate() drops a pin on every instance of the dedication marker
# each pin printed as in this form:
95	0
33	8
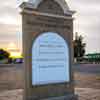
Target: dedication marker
50	59
47	27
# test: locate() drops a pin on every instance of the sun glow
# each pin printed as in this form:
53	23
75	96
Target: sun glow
15	55
14	51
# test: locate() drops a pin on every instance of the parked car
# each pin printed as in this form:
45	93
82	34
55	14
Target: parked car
18	60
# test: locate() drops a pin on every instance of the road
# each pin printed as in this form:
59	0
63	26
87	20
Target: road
85	76
87	68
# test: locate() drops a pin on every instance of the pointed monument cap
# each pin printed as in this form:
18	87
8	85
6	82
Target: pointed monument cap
33	4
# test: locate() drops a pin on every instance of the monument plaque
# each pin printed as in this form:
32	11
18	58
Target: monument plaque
47	27
50	59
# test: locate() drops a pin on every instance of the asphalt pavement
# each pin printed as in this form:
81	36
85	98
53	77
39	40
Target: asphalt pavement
87	68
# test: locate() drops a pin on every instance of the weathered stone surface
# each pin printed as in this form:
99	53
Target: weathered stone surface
47	17
50	6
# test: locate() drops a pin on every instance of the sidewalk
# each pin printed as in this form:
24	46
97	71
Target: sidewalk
84	94
88	93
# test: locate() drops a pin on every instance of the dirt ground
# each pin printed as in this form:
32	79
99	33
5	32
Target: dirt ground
11	78
87	80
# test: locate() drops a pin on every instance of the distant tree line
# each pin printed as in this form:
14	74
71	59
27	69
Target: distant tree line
4	54
6	59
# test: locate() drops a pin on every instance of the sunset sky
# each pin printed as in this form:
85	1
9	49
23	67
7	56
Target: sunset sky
86	22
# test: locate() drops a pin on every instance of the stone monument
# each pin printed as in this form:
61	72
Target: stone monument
47	27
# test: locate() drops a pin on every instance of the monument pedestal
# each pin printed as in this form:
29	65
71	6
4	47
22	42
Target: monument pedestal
67	97
47	27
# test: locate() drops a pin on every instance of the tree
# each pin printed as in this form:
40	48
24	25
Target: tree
4	54
79	46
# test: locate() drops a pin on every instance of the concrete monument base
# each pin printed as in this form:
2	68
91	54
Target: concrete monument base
67	97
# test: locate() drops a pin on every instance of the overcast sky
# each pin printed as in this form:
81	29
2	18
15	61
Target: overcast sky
87	22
